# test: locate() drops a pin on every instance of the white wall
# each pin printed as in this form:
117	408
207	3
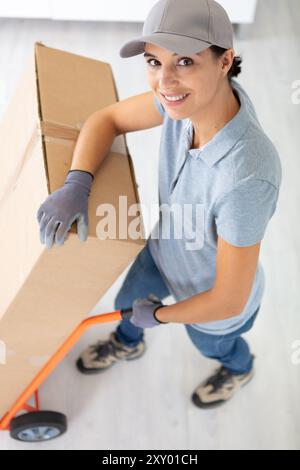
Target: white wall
239	11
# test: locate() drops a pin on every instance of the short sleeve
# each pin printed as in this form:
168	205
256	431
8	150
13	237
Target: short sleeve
159	106
243	213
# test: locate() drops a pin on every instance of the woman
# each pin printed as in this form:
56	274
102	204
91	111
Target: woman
214	158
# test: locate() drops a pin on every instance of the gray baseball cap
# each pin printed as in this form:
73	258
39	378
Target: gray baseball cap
184	27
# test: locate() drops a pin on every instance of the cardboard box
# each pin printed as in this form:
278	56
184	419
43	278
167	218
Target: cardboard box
45	294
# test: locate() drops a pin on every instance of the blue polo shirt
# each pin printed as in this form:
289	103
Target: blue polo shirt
228	187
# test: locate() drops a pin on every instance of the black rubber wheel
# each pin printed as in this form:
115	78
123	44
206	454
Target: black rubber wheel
38	426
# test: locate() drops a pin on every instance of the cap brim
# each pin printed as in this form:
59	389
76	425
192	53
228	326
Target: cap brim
175	43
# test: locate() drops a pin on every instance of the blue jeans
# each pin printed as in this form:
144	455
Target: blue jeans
143	278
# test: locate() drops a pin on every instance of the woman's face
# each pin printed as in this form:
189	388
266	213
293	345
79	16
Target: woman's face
199	75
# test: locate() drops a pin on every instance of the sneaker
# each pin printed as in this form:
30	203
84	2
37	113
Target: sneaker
219	388
103	354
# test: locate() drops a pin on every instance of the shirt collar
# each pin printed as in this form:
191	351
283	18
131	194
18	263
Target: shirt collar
225	138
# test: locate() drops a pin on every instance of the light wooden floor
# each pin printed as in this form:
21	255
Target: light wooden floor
146	404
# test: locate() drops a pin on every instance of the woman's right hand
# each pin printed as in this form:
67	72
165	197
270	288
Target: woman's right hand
63	207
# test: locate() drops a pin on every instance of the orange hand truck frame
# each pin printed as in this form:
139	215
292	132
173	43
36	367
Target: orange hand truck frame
36	425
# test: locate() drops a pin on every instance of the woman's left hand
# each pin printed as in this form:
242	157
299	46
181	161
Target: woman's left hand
143	313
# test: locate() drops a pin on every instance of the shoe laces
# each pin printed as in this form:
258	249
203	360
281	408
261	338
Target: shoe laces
219	378
104	348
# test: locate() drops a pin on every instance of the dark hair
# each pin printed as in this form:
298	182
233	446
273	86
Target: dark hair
235	69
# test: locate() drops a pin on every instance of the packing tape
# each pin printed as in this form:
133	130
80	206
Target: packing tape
58	131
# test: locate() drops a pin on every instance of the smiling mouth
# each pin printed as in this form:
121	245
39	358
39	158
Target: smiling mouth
174	102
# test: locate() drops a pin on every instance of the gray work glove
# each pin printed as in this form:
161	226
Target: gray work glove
63	207
143	312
